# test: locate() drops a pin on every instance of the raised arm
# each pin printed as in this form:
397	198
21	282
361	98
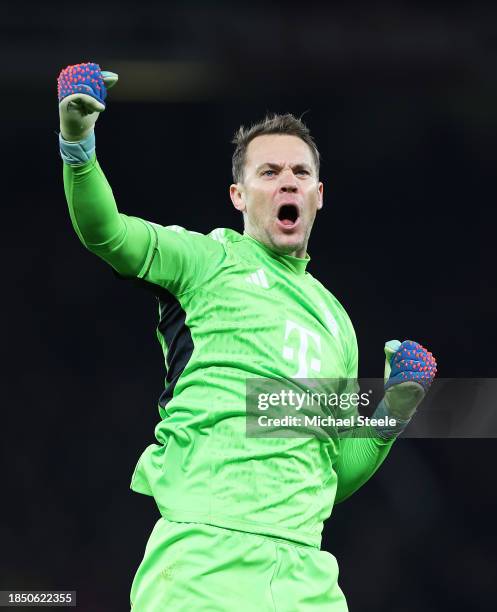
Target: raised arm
124	242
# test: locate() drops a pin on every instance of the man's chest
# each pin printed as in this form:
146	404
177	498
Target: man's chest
288	320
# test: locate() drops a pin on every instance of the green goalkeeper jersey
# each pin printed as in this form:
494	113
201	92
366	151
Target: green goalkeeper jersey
230	308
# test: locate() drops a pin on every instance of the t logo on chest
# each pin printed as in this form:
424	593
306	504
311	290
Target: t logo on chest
308	341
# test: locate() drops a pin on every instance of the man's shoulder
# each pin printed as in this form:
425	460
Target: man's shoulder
193	242
224	235
219	234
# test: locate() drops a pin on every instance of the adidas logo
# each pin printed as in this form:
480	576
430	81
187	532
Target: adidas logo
258	278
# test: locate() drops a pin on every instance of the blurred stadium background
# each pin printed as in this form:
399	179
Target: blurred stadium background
402	100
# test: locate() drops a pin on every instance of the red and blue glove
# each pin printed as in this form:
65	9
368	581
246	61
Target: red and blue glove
82	90
409	372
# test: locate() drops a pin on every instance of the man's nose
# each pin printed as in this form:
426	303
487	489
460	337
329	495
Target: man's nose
288	182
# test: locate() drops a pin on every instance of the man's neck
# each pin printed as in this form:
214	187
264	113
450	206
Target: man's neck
300	253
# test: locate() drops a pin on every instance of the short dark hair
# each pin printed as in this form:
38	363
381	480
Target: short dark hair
271	124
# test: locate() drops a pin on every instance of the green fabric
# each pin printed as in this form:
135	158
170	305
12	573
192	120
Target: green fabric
122	241
201	568
251	313
359	458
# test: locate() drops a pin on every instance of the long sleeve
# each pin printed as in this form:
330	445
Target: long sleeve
362	450
361	454
126	243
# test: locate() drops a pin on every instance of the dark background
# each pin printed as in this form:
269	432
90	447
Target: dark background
402	101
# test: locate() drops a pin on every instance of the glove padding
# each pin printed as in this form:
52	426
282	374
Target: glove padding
82	90
409	372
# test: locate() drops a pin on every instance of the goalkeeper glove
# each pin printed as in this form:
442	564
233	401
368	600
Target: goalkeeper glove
409	372
82	90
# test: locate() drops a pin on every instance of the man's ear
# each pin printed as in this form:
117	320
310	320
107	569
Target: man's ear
320	195
237	196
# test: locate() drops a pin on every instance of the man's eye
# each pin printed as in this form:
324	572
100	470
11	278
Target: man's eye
267	172
303	171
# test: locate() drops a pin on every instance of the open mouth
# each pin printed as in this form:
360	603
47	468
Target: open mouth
288	215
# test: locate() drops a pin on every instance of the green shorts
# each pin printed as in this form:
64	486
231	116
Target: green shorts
195	567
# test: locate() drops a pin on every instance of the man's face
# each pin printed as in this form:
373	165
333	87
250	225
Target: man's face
280	193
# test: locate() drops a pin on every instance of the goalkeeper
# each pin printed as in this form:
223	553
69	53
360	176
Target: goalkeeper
241	517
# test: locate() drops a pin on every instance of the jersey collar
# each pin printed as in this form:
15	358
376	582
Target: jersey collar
297	265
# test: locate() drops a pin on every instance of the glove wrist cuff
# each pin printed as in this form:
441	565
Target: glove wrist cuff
388	432
77	153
